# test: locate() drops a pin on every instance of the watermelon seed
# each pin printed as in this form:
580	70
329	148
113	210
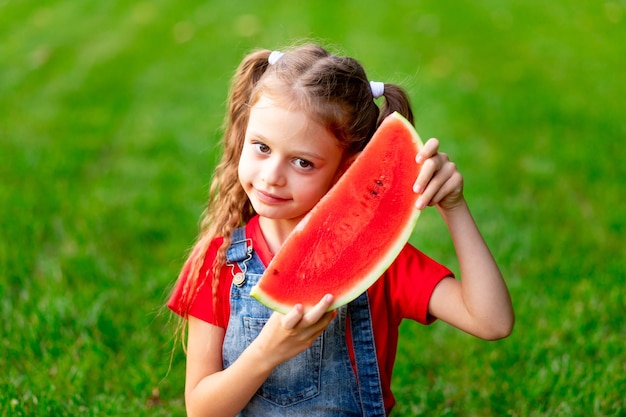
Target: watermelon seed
379	183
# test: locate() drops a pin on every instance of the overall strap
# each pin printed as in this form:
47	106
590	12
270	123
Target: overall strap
240	247
368	373
239	253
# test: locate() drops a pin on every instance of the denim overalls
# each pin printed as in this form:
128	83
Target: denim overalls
319	381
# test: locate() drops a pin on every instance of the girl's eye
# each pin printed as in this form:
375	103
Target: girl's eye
303	164
262	148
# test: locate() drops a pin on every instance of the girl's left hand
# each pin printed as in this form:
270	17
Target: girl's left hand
439	182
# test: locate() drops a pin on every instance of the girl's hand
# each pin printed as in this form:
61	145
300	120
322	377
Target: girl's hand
439	182
284	336
212	390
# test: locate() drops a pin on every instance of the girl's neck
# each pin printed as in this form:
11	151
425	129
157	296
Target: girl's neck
276	231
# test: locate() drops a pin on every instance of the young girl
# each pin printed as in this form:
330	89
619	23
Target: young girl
296	120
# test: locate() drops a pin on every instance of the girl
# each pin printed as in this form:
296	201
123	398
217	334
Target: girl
295	123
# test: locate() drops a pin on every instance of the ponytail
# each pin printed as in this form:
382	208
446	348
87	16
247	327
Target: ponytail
396	99
245	79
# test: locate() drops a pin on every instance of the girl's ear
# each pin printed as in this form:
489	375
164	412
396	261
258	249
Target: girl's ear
345	164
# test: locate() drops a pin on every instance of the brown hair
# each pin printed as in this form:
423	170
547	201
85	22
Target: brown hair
333	89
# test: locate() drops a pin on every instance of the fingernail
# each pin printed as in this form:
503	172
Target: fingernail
417	188
419	204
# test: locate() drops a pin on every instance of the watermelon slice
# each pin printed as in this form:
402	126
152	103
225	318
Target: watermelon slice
352	235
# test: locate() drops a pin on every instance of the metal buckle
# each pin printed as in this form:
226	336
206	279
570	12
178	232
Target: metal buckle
239	278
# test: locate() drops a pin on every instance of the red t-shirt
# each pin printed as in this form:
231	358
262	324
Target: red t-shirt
403	291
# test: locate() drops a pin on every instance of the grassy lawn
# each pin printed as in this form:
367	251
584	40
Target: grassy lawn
109	114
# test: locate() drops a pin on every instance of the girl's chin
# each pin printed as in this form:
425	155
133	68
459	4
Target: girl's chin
277	214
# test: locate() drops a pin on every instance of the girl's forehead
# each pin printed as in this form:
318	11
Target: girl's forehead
272	113
272	122
279	95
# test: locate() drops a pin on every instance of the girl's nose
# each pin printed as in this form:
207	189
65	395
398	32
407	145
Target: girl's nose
272	173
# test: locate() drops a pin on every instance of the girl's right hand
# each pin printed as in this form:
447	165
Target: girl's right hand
285	336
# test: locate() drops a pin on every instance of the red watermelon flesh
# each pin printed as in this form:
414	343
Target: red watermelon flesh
352	235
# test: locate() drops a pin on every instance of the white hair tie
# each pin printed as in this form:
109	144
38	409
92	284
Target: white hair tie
378	88
274	57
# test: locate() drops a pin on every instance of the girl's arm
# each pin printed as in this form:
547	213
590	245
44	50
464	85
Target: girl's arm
211	390
479	303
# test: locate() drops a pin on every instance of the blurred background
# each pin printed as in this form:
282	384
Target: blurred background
110	113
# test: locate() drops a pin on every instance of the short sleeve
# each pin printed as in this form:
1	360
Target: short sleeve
412	278
202	305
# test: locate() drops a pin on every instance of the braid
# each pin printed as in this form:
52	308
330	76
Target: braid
228	206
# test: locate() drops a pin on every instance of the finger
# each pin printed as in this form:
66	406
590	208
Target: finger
318	327
435	184
293	317
429	149
428	171
451	190
315	314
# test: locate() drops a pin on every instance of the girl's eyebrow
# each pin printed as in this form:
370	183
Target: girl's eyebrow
310	155
305	153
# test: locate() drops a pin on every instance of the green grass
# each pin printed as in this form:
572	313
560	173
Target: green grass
109	112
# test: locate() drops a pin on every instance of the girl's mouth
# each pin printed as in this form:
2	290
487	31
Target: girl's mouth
268	198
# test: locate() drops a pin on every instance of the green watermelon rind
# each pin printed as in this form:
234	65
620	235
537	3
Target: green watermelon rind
394	248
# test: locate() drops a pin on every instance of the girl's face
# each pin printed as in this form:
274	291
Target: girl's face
288	161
